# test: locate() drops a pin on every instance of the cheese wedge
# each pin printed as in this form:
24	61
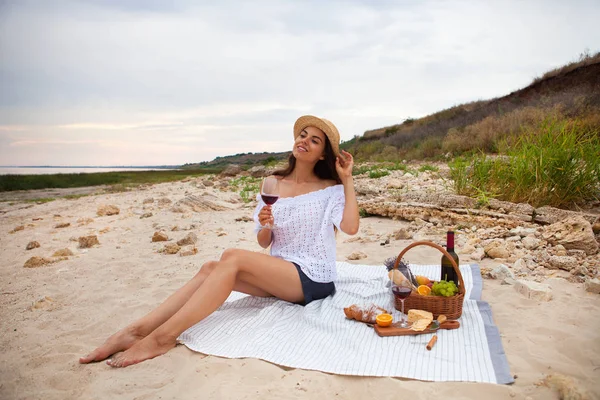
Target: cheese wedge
416	315
420	319
420	325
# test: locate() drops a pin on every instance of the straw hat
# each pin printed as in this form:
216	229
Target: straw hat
325	125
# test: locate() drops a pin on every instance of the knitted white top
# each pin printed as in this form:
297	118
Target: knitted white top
303	231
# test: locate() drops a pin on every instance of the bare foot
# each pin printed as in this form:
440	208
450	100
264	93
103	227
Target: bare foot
149	347
120	341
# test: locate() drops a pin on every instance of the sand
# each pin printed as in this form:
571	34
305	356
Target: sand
52	315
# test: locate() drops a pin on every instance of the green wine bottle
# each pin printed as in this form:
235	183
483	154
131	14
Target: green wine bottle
448	273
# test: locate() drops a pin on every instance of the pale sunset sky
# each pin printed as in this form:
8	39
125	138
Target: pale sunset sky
152	82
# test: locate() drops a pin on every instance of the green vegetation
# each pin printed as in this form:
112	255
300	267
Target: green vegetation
427	167
248	187
40	200
556	164
363	213
120	181
378	173
382	169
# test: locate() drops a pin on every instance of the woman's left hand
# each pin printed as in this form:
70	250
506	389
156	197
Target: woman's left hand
343	165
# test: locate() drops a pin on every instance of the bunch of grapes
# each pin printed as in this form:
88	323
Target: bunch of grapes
443	288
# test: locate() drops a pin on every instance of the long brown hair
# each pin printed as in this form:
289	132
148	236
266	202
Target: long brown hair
324	169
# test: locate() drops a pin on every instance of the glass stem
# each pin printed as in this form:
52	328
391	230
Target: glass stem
403	318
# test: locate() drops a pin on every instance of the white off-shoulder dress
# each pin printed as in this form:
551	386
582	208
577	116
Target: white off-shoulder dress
304	230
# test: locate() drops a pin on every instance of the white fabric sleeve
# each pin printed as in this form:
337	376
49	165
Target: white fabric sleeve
337	211
259	206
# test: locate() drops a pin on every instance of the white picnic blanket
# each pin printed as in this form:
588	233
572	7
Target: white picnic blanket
319	337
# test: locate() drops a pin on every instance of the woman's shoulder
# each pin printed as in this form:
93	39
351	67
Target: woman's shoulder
326	183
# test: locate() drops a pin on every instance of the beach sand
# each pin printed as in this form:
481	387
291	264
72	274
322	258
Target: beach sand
52	315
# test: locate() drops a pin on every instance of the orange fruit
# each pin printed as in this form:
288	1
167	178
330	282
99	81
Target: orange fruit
384	319
422	280
424	290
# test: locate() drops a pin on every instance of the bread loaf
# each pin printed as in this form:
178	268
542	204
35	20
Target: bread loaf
366	314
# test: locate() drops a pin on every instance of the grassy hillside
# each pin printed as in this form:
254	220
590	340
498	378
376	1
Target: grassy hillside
570	93
245	160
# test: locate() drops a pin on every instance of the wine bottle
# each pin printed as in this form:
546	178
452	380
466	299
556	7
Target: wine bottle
448	273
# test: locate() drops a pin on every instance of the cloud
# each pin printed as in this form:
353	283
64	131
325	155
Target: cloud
199	72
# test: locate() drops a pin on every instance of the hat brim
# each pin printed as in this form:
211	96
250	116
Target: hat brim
324	125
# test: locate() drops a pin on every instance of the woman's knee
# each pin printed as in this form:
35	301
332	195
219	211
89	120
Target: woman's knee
231	254
206	269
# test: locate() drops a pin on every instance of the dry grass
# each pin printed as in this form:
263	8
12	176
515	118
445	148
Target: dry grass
584	59
570	91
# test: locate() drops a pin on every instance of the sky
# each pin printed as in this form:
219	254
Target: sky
153	82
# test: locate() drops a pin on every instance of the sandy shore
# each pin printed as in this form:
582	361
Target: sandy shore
95	292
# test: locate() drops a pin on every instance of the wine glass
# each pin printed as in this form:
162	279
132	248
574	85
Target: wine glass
402	289
269	193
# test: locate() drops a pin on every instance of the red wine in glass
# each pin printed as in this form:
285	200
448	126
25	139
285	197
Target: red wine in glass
269	193
269	199
401	291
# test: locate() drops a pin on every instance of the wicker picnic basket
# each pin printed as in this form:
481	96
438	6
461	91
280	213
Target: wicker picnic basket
451	307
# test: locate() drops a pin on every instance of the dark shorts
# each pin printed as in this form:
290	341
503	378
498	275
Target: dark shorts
313	290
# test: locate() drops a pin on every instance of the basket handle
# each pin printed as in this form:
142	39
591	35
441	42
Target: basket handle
461	287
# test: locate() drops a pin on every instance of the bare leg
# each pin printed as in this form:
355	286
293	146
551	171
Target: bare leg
141	328
237	267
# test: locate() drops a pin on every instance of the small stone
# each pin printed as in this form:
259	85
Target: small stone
32	245
561	262
531	242
35	262
189	239
104	210
231	170
146	215
244	219
501	272
560	250
357	255
402	234
533	290
17	229
580	270
258	171
62	253
467	249
45	303
148	200
85	242
188	252
592	285
508	281
62	225
513	239
496	250
85	221
478	254
163	202
170	248
522	232
160	237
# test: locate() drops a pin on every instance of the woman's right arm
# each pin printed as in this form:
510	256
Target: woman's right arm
264	236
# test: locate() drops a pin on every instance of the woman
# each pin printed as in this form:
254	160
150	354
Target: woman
316	193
